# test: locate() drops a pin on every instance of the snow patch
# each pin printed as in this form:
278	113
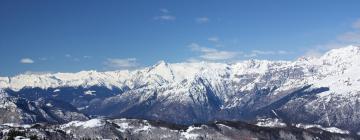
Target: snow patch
21	138
270	123
123	126
17	125
90	92
49	104
85	124
189	134
144	128
330	129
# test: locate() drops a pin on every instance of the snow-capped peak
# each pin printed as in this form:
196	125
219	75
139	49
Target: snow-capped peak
343	52
349	54
162	69
161	62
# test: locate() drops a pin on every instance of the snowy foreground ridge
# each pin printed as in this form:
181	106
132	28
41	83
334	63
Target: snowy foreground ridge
145	130
337	69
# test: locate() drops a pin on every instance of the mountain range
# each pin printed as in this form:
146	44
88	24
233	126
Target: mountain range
321	91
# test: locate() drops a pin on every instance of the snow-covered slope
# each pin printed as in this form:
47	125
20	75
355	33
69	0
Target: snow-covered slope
151	130
326	89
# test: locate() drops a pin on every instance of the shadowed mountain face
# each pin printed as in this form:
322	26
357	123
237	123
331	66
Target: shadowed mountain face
79	97
323	91
21	110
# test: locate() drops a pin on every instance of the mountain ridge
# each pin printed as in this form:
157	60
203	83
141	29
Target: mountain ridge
323	90
165	71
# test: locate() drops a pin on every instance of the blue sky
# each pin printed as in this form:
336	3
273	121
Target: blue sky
70	36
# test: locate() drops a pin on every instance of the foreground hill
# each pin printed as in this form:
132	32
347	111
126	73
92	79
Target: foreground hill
144	130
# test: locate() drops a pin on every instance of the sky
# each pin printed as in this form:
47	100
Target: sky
73	35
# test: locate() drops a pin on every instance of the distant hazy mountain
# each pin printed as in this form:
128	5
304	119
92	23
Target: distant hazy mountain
324	91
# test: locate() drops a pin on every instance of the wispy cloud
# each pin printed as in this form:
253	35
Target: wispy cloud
214	39
121	63
87	57
201	20
283	52
356	24
351	37
313	53
263	52
164	10
165	18
165	15
212	54
43	58
68	55
75	58
256	53
27	61
38	72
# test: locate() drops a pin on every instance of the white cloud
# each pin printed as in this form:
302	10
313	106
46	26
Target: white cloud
263	52
27	61
76	58
319	50
347	38
356	24
251	55
126	63
165	18
38	72
164	10
212	54
218	55
283	52
255	53
43	58
313	53
352	37
202	20
193	60
87	57
214	39
68	55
